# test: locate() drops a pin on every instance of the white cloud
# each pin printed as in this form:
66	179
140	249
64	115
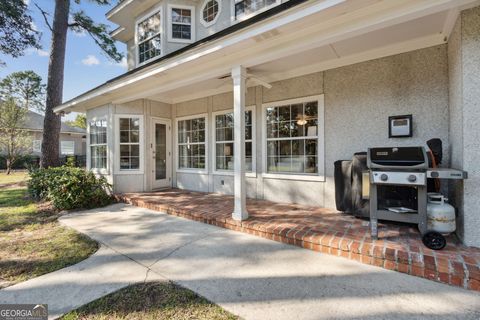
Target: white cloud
33	26
122	64
91	60
27	2
43	53
80	34
39	52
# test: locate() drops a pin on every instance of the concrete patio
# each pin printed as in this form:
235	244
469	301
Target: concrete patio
327	231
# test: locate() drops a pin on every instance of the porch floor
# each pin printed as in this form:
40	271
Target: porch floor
399	246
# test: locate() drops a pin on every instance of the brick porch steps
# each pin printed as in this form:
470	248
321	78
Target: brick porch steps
327	231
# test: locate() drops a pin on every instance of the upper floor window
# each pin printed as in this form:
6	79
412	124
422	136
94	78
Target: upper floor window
149	34
181	21
245	8
210	12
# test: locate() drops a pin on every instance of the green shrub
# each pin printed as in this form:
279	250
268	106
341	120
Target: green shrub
69	188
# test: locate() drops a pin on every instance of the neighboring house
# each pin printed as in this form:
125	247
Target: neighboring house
72	139
313	82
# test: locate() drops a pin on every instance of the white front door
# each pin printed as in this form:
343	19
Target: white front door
161	154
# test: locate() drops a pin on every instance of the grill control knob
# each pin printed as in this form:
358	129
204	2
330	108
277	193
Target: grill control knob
384	177
412	178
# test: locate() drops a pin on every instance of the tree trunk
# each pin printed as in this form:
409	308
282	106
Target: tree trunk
52	123
9	166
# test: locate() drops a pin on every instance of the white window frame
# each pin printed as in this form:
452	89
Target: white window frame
141	142
37	143
61	149
211	23
234	18
215	171
177	154
170	23
155	10
89	145
320	175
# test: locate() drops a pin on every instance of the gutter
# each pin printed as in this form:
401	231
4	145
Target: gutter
218	35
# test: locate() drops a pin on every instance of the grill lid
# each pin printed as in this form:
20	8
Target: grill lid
397	158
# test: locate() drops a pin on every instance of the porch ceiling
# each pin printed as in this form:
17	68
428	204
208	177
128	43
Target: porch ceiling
415	34
315	36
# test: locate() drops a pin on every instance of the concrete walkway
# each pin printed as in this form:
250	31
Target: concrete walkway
249	276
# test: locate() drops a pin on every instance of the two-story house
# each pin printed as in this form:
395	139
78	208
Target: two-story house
258	98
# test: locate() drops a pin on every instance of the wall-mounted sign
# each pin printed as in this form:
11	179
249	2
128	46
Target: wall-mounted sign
400	126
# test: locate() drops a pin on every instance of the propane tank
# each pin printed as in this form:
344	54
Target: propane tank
441	215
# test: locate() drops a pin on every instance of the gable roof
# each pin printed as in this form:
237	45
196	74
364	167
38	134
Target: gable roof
34	121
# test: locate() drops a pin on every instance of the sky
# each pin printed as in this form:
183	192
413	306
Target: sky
85	64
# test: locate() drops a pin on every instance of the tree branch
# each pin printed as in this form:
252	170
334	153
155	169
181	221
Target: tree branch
44	14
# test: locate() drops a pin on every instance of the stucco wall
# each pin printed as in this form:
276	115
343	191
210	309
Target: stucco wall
464	70
358	101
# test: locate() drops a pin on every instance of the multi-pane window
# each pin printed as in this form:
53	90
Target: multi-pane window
246	7
98	144
210	11
181	19
149	37
292	138
67	148
224	141
129	143
191	144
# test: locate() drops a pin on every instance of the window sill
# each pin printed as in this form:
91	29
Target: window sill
174	40
127	172
297	177
192	171
231	173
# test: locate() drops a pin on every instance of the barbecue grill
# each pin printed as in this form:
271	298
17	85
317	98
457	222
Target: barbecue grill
398	185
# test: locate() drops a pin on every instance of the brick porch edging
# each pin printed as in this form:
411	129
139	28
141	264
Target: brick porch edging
432	266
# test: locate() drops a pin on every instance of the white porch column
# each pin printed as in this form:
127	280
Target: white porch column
239	78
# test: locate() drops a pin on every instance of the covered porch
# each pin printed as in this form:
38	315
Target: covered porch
324	230
357	63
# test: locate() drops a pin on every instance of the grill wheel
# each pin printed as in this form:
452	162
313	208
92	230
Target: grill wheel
434	240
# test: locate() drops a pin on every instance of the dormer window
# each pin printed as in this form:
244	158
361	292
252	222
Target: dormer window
149	37
246	8
210	12
182	22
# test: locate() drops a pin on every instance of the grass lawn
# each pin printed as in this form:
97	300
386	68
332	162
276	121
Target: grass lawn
152	300
32	242
19	177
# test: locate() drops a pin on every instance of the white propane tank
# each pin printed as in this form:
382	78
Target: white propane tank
441	215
